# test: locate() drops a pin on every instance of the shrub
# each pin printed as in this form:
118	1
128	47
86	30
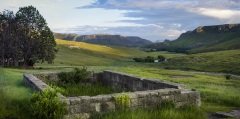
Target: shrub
228	76
122	101
47	105
161	58
76	76
138	59
149	59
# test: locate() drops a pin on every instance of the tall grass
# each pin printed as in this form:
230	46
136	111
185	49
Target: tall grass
215	91
82	89
155	113
14	97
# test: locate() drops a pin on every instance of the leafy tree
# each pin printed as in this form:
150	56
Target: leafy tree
9	41
37	40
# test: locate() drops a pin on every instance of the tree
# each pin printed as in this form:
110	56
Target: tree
8	39
149	59
38	44
25	38
161	58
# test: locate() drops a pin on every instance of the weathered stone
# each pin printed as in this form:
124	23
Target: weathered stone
148	93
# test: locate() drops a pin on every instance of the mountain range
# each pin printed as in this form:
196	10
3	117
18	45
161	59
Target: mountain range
103	39
203	39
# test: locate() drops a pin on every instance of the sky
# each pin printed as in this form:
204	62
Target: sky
155	20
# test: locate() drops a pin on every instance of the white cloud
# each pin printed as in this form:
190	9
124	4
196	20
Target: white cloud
222	14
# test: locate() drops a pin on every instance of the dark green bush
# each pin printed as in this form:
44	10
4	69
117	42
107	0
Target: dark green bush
75	76
47	105
146	59
138	59
149	59
228	76
161	58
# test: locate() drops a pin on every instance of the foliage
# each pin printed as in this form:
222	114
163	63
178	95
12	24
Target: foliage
138	59
149	59
25	38
146	59
161	58
47	105
122	101
228	76
75	77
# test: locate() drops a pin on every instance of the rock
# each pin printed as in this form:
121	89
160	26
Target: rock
223	115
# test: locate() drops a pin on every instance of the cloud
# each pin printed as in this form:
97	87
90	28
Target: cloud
222	14
159	16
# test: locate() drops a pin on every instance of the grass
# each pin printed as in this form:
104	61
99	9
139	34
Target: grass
82	89
85	54
155	113
14	96
215	90
221	61
217	93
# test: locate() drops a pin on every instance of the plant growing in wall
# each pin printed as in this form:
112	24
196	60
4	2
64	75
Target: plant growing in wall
122	101
76	76
47	105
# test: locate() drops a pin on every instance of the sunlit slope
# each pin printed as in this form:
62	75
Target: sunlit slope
95	48
71	53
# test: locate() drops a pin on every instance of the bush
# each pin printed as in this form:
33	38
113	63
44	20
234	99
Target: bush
47	105
228	76
76	76
149	59
138	59
161	58
122	101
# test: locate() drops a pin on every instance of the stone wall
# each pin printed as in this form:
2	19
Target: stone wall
139	99
145	93
126	82
34	83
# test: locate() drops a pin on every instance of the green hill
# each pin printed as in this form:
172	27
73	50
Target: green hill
71	53
204	39
103	39
220	61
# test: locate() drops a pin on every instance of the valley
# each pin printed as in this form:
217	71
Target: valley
98	58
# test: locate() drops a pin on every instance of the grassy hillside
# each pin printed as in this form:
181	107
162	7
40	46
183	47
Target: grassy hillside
71	53
204	39
14	96
221	61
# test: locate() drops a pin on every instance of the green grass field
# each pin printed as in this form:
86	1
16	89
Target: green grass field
217	93
221	61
